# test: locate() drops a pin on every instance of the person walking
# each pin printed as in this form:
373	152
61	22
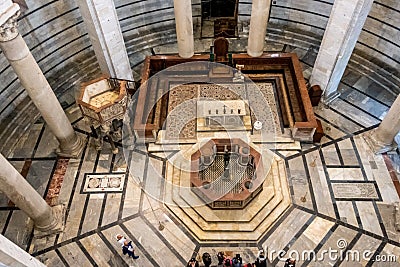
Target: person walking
127	248
120	239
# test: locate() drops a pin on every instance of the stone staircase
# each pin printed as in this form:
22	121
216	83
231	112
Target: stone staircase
208	225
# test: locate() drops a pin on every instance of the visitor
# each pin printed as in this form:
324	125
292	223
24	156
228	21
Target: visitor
120	239
227	262
206	259
237	261
192	263
221	258
127	248
261	260
290	263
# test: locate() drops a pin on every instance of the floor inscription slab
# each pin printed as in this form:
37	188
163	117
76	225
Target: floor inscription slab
365	191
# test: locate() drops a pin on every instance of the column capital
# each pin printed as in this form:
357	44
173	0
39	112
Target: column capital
9	13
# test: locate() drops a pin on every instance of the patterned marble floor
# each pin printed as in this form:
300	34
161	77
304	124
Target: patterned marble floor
341	193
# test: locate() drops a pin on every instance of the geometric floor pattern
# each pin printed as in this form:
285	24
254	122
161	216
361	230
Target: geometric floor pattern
318	220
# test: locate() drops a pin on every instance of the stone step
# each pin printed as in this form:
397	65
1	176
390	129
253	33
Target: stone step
227	218
224	230
251	209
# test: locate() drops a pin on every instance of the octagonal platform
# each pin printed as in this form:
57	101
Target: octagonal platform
210	225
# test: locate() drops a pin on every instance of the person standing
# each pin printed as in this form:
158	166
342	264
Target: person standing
206	259
193	263
261	260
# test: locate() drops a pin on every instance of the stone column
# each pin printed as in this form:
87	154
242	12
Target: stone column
184	27
381	139
345	23
105	34
13	255
34	82
25	197
258	27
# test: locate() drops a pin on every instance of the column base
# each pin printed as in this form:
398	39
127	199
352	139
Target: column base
377	146
56	226
326	100
254	53
71	149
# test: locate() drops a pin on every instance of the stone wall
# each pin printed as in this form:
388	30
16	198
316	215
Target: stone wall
57	37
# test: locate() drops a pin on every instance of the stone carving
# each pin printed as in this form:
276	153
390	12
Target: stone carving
9	30
355	190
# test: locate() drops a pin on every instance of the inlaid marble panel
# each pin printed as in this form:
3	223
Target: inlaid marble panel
355	191
181	121
263	105
112	182
223	91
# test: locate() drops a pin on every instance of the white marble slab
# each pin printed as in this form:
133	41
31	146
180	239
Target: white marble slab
368	217
355	191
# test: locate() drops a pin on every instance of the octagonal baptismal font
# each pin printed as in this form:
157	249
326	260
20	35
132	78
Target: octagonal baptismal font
226	189
226	173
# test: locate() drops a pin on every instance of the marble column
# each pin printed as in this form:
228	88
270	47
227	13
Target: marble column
184	27
105	34
25	197
258	27
13	255
381	139
345	23
34	82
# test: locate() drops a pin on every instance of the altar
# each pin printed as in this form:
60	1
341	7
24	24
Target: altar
214	115
173	101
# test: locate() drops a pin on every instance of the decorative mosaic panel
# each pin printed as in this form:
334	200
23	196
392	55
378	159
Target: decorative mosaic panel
104	182
181	122
355	191
223	91
258	94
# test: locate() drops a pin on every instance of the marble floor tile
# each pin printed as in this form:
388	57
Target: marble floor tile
330	155
320	186
285	231
26	144
339	239
47	145
347	174
73	255
314	221
363	245
369	219
98	250
339	121
353	113
347	213
51	259
158	250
